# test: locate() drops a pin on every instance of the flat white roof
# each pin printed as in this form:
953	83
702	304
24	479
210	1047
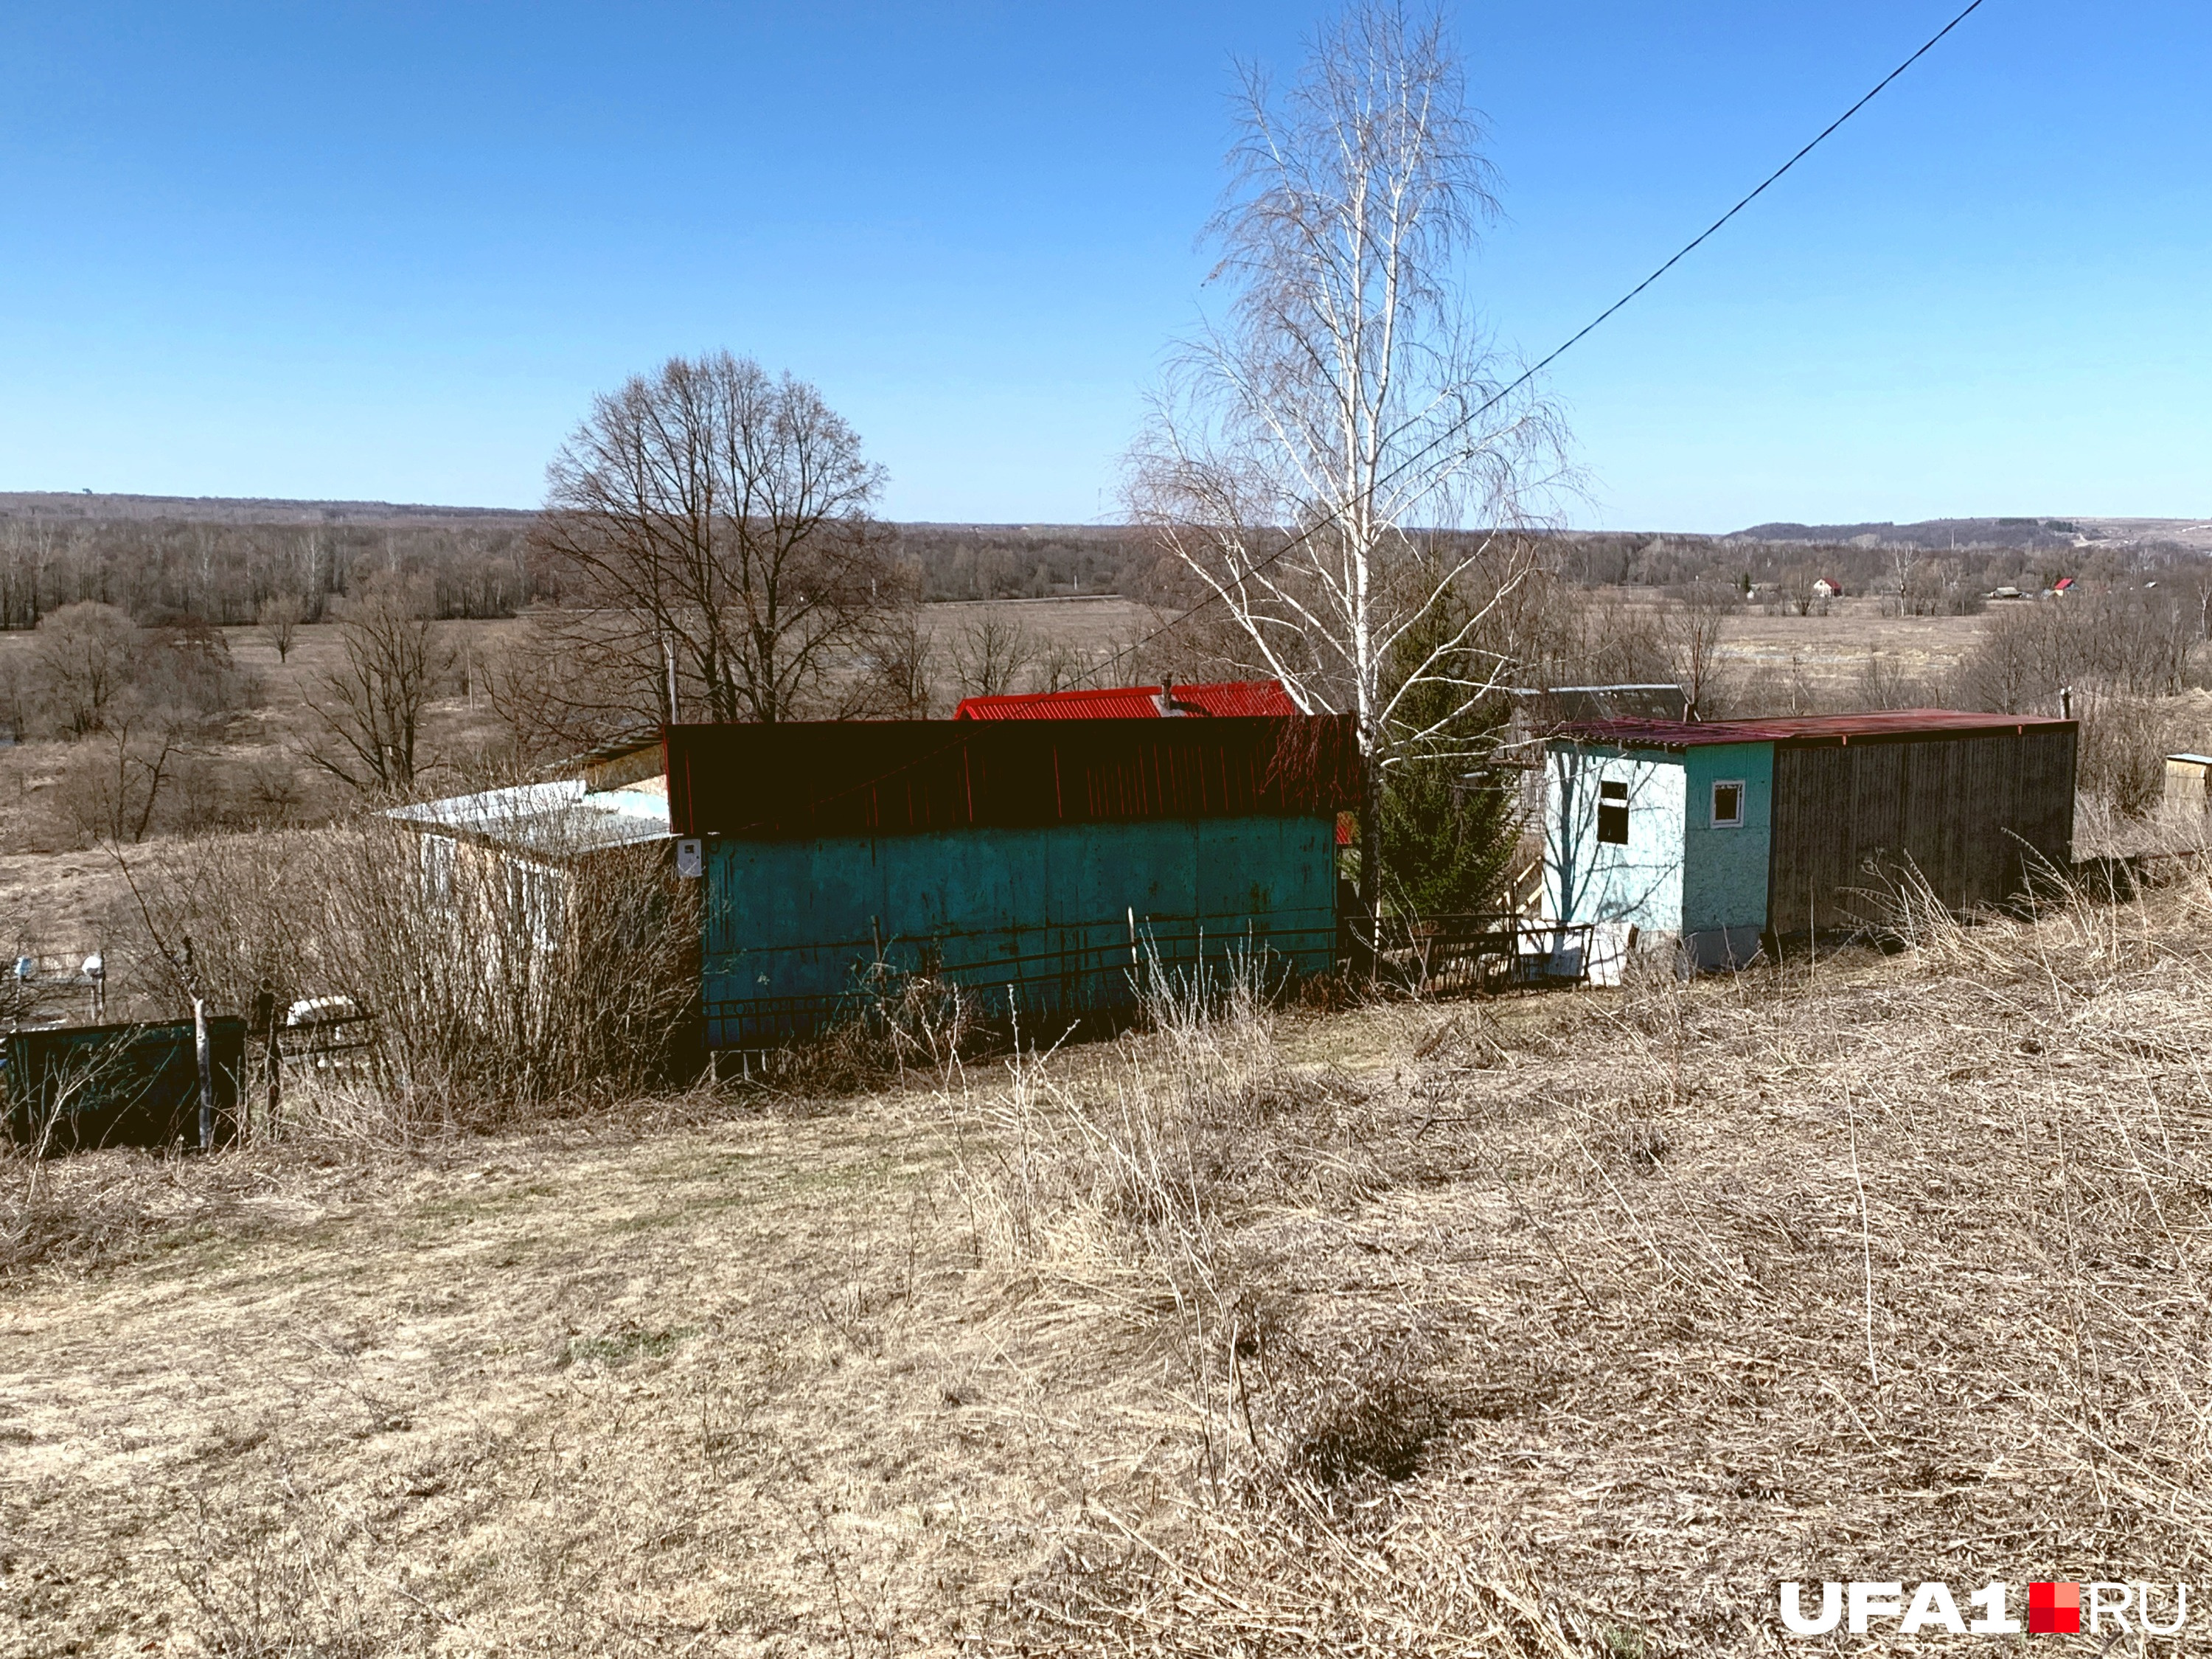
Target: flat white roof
551	818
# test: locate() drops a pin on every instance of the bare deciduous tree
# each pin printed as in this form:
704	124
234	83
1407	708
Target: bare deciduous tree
1691	625
370	710
712	512
1300	450
82	662
278	620
989	654
905	666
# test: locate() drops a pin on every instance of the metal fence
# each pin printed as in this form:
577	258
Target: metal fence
1475	954
77	1087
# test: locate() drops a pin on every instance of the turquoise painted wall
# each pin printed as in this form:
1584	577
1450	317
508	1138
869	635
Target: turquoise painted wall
1681	874
1589	880
1724	872
793	928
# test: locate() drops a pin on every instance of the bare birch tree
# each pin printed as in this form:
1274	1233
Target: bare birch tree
1305	450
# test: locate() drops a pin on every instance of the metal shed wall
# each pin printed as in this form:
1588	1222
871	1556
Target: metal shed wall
1042	916
800	779
1967	811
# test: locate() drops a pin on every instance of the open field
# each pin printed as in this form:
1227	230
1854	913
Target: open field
1830	652
1562	1326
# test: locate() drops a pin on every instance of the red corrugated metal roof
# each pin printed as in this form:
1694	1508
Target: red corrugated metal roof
1805	731
1228	699
804	779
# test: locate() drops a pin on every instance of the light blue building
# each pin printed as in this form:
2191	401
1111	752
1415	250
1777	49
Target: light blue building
1714	837
1674	844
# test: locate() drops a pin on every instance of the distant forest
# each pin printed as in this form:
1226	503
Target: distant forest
166	561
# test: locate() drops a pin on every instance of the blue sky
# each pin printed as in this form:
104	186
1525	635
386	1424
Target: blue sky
389	251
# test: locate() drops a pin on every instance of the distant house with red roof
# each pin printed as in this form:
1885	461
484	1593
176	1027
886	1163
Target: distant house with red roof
1828	588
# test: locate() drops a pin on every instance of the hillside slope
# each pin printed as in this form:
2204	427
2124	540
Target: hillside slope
1560	1326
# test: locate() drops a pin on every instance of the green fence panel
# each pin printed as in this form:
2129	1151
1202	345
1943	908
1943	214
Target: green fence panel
83	1086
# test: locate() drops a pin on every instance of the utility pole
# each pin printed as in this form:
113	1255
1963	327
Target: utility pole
668	656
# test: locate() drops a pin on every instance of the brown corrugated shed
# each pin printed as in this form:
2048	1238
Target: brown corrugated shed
805	778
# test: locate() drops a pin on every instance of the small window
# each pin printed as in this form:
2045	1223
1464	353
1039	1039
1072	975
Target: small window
1727	806
1613	813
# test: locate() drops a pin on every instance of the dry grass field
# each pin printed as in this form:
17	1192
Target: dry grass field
1830	652
1562	1326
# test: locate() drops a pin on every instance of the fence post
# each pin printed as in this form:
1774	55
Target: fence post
204	1054
264	1018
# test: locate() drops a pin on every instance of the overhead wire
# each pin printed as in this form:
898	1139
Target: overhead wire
1558	351
1524	379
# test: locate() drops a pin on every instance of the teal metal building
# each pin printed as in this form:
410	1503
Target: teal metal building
1718	836
1035	863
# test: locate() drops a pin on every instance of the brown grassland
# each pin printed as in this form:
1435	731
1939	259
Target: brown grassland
1562	1326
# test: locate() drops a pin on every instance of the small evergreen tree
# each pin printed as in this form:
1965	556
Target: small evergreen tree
1448	812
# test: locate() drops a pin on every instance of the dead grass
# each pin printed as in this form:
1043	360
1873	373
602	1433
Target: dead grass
1565	1327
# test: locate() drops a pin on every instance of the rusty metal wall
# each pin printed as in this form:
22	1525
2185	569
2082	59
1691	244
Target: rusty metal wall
901	777
1969	812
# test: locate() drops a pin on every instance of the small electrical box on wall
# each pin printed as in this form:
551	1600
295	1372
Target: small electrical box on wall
690	859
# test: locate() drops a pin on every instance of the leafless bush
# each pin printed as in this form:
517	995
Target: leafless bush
1884	682
510	982
278	618
1935	587
2123	744
82	662
2133	642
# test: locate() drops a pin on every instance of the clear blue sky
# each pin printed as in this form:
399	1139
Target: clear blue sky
389	252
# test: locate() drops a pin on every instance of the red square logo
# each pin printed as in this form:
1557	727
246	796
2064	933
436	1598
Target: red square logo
2054	1609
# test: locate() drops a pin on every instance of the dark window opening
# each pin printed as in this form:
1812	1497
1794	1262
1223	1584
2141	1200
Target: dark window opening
1613	813
1727	806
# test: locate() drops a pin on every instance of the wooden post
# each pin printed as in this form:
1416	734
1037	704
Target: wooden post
206	1057
265	1019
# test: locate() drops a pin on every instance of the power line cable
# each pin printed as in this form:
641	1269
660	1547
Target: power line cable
1529	374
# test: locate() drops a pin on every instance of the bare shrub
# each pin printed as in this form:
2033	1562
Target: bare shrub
521	980
2123	744
277	619
2131	642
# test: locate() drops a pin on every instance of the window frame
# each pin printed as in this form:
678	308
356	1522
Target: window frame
1613	812
1713	817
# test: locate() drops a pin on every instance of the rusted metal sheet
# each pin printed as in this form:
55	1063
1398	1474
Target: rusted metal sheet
803	779
1227	699
1838	730
1971	811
